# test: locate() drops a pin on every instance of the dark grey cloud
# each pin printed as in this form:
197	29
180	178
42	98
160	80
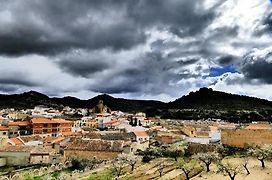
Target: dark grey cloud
83	67
152	75
182	18
8	88
266	25
18	78
226	59
131	46
258	65
185	62
48	27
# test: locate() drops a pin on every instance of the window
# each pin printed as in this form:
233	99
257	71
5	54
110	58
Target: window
4	133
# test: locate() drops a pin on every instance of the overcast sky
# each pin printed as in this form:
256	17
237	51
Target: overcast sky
143	49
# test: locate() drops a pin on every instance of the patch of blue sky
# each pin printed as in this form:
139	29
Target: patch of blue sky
214	72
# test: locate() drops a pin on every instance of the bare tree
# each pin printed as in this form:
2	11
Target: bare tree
228	169
245	163
119	164
262	153
160	167
207	158
175	151
130	159
187	167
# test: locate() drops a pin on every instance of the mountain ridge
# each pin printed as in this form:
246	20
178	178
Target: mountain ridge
201	97
202	104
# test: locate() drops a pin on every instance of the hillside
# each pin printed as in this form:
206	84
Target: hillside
209	99
202	104
31	99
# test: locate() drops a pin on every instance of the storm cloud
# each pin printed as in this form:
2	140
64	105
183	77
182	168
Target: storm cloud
135	48
47	27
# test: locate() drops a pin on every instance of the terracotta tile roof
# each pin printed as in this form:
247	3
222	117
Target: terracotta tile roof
41	120
111	136
16	141
31	149
4	128
52	140
58	140
95	145
31	138
19	123
91	135
118	136
140	133
48	121
259	126
69	133
62	121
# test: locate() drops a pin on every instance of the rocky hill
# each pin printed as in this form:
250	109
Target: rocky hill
209	99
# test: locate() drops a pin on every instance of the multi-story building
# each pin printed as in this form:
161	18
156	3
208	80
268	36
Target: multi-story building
54	127
4	131
17	128
92	123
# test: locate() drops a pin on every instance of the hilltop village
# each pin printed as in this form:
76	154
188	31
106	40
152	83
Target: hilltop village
50	137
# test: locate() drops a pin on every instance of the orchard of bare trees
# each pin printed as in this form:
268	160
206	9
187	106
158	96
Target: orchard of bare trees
222	159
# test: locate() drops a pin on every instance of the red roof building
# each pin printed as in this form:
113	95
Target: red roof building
53	127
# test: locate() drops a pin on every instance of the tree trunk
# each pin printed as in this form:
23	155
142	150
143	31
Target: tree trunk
207	167
246	170
187	176
232	177
175	158
132	167
262	161
160	174
119	173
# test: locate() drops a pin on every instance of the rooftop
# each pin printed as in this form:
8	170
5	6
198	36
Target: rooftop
4	128
48	121
16	141
31	138
30	149
19	123
95	145
141	133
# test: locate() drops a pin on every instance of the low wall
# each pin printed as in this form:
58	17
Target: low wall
16	158
246	137
100	155
3	162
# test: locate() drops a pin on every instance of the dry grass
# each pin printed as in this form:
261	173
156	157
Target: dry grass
256	172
